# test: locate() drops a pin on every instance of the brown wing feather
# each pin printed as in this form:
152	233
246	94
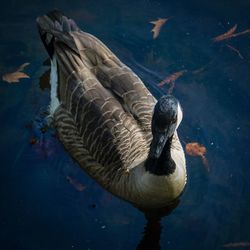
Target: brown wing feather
104	105
109	133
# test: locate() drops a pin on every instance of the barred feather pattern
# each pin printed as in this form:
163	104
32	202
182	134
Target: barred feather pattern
104	116
110	108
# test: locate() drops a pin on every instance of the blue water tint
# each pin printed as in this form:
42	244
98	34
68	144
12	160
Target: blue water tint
40	209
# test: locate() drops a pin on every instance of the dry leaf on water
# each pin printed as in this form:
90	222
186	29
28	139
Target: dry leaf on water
24	65
195	149
172	78
229	34
78	186
235	50
157	26
17	75
237	244
225	35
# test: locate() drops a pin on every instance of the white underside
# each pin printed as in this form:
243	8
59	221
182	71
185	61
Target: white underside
54	101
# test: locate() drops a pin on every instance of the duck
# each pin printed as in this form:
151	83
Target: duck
108	121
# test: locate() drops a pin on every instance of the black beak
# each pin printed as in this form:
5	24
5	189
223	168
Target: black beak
159	140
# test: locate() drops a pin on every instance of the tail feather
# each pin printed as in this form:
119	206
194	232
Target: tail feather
52	23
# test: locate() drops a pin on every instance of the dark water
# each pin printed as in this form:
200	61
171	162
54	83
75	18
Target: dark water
40	209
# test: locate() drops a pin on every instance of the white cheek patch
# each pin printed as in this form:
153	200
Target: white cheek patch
179	115
54	101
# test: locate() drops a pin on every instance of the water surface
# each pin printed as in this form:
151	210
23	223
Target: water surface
40	209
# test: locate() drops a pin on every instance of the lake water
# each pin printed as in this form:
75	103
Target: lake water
40	207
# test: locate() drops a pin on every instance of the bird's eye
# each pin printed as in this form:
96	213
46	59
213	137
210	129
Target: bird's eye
174	120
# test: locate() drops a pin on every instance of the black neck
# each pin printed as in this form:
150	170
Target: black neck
164	165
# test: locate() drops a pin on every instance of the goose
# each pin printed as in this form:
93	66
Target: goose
107	119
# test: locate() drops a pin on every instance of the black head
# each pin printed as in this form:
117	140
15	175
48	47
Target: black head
164	123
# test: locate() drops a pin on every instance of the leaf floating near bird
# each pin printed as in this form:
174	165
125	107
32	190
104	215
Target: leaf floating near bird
157	26
237	244
195	149
78	186
172	78
230	34
14	77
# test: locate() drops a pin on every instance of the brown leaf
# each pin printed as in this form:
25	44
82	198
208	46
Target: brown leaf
229	34
33	140
195	149
172	78
235	50
225	35
44	82
16	76
78	186
241	33
157	26
21	68
237	244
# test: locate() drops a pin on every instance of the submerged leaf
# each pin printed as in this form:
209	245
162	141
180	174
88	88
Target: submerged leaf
78	186
44	80
17	75
237	244
195	149
157	26
33	140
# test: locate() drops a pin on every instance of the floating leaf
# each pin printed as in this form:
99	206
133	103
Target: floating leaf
157	26
237	244
241	33
17	75
78	186
229	34
225	35
172	78
21	68
235	50
195	149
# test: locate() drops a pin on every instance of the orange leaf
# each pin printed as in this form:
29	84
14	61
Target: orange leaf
21	68
226	35
15	76
157	26
78	186
172	78
195	149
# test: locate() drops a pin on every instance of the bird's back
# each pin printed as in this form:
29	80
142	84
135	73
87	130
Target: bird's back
105	111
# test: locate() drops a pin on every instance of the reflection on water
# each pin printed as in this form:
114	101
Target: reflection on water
152	230
41	209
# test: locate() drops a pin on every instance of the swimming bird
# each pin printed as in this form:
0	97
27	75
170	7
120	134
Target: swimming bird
108	120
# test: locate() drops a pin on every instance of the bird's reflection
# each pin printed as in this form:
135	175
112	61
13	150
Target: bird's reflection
152	230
